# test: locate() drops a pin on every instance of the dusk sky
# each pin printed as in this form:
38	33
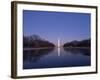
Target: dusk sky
53	25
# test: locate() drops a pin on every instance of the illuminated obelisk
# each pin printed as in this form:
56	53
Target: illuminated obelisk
58	47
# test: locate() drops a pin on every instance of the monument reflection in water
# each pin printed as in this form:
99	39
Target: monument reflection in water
56	57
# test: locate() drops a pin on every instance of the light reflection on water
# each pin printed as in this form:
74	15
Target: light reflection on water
54	57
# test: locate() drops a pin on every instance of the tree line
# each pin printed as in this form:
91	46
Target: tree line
36	42
82	43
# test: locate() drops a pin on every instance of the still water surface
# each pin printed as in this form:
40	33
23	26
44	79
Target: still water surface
52	58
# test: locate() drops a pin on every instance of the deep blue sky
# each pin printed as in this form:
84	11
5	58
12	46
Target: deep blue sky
53	25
